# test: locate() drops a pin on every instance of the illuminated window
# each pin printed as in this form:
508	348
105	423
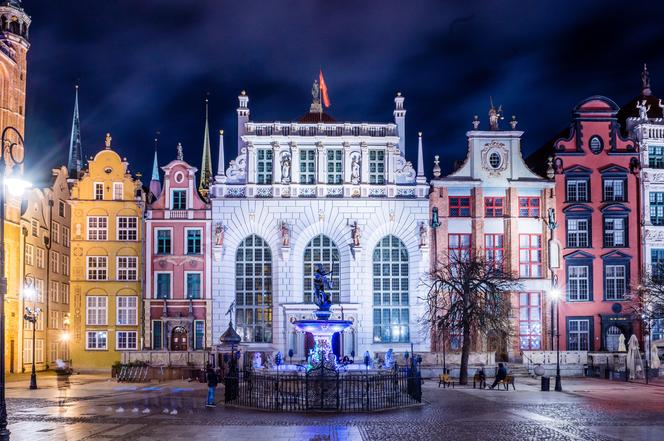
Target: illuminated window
390	292
253	290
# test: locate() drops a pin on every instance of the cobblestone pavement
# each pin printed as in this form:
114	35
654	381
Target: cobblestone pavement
100	409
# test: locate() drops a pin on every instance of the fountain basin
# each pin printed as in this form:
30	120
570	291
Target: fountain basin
322	328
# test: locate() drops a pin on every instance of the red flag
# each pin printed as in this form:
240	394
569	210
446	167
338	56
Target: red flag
323	89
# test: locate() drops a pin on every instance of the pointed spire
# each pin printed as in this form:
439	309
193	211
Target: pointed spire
221	163
75	162
155	181
420	160
206	163
645	81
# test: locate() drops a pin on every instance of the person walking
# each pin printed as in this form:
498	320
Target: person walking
500	375
212	381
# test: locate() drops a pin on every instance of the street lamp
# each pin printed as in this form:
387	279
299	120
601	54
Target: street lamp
32	315
555	295
15	187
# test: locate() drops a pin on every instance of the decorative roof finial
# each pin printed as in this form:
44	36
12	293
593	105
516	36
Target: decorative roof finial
315	95
645	81
476	122
420	156
550	171
514	122
180	154
436	166
107	141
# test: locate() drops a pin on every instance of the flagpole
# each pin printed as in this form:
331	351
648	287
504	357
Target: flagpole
320	95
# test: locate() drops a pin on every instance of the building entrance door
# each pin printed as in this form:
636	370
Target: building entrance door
179	339
613	338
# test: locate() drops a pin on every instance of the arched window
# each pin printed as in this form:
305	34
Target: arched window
253	290
390	291
321	249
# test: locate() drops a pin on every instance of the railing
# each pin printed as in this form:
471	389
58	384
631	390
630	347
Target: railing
324	389
178	214
323	129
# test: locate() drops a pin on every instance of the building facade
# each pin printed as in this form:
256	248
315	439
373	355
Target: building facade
107	204
495	205
316	191
178	248
45	247
14	46
597	189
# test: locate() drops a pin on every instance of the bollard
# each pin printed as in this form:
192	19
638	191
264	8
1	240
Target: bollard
546	384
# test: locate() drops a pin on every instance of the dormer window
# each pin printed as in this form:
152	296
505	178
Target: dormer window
495	160
99	191
179	200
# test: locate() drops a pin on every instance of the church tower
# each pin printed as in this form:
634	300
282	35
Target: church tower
14	23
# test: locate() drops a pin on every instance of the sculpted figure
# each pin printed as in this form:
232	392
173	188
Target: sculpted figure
321	298
356	234
286	168
285	234
355	170
219	234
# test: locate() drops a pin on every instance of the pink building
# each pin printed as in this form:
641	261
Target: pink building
597	195
178	248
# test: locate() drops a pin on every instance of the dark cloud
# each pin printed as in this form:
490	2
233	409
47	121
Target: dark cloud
146	65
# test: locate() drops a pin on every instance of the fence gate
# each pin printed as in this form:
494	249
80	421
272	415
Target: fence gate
322	388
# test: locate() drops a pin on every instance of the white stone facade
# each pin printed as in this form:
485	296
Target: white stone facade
355	173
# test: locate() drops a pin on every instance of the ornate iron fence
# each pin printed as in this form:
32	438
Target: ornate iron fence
325	389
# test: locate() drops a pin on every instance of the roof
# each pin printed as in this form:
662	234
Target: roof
629	110
315	118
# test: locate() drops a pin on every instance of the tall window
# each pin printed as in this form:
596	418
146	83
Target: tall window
157	335
615	277
97	267
656	156
95	310
96	340
493	206
61	208
530	255
614	232
199	334
577	190
97	228
321	250
390	291
127	268
54	291
34	227
39	287
65	265
194	241
127	310
27	349
65	236
179	201
458	246
126	340
253	290
334	166
55	261
657	263
529	207
117	191
656	207
264	166
127	228
614	190
39	350
193	285
29	254
99	191
307	166
163	285
530	321
459	206
578	334
55	232
163	241
65	294
494	249
578	233
578	283
376	166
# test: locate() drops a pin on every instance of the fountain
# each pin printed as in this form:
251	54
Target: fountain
322	328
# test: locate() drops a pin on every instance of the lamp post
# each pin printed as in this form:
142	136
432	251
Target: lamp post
15	187
32	315
554	294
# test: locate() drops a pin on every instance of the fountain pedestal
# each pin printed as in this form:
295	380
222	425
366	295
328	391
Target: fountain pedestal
322	328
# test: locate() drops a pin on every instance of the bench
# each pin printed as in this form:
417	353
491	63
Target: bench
445	380
506	382
481	381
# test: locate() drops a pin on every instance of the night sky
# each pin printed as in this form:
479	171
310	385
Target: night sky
146	65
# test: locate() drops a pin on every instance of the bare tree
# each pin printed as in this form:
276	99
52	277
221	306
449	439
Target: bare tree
647	301
470	295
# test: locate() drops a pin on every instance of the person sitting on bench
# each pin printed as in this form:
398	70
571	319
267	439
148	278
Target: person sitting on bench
500	375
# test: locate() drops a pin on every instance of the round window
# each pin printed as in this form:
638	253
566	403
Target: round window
179	177
596	144
495	160
108	170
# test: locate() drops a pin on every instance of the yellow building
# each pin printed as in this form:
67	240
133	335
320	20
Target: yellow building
106	261
14	24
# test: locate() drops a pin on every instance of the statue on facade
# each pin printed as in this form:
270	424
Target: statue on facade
389	359
424	234
285	234
643	110
661	106
645	79
495	115
257	361
180	154
219	233
356	234
285	168
355	170
322	299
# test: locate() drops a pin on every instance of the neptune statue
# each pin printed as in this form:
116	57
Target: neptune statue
322	299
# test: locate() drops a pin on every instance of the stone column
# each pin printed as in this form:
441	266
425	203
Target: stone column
364	173
389	163
346	163
295	163
251	163
276	163
321	162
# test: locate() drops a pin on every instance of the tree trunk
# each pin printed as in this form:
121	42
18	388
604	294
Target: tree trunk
465	354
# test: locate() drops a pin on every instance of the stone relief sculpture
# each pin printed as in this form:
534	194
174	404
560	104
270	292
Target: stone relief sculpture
285	234
285	168
236	171
356	234
424	234
405	169
355	169
257	362
219	233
